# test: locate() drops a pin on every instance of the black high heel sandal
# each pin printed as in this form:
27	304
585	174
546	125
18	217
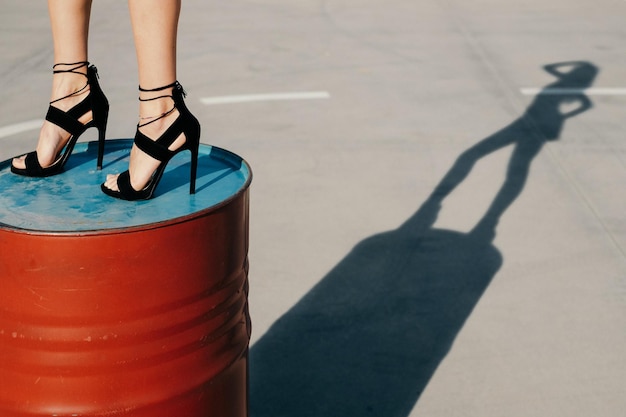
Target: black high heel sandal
96	102
185	124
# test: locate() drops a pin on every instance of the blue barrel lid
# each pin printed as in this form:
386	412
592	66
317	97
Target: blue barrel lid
73	202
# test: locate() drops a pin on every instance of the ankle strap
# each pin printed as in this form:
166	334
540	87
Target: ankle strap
152	90
75	66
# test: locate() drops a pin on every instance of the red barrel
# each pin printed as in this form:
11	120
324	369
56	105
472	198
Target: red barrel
146	321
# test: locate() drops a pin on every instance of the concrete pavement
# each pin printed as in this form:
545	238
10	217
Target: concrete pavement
432	239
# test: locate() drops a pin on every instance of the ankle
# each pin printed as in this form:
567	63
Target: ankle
155	107
153	127
67	91
70	83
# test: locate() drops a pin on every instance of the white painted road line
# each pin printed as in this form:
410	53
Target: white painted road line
247	98
532	91
20	127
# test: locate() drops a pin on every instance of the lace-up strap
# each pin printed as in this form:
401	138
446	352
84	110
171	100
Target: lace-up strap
154	90
73	70
153	119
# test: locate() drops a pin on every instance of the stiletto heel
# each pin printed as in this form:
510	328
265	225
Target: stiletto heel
184	124
96	102
102	130
193	172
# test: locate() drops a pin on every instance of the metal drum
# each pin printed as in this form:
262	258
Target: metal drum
114	308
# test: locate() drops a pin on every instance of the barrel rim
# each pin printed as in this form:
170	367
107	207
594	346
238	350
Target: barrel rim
141	227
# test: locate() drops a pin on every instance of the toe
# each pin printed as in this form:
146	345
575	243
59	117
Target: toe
19	162
111	182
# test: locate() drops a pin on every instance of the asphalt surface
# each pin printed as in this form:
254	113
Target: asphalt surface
437	225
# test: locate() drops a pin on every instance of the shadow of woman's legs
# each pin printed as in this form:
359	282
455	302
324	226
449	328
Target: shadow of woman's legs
369	336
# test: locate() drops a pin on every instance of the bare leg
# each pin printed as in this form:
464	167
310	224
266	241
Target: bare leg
155	27
70	29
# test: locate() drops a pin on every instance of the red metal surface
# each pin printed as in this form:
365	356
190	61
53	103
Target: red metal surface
147	322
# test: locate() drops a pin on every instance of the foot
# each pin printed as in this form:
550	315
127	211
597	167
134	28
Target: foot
142	166
52	138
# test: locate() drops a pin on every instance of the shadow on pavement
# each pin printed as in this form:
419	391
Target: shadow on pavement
369	336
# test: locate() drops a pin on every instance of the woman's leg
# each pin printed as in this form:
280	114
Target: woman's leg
70	29
155	28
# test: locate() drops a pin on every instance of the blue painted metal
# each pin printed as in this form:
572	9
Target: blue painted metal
73	201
